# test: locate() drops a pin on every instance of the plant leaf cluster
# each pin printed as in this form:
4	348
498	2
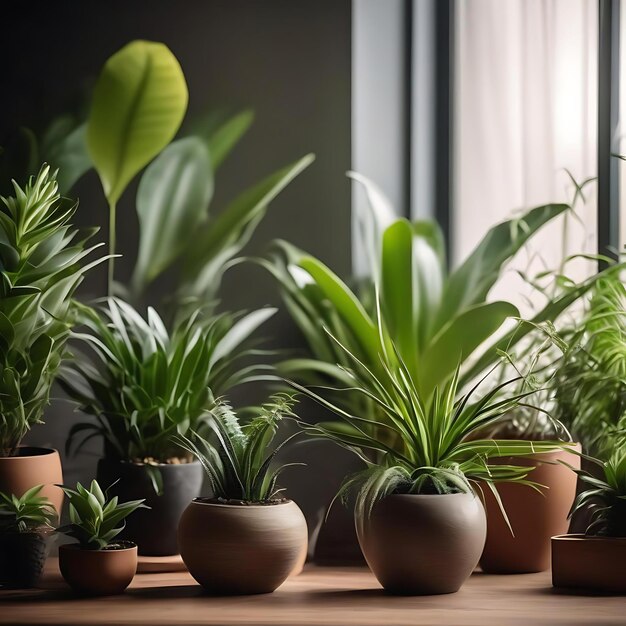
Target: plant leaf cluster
28	513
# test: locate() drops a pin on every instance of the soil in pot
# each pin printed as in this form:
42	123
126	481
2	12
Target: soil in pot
155	529
423	544
587	563
22	558
241	549
33	466
534	517
99	572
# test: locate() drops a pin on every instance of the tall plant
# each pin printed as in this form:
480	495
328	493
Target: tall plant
42	262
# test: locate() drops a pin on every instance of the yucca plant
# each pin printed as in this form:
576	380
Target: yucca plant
41	265
27	513
421	444
145	385
238	457
94	519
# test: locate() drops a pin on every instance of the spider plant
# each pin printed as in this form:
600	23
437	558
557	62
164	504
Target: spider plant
41	265
421	444
27	513
94	519
238	458
145	385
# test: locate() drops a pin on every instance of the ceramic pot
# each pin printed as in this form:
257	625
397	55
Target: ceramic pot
589	563
423	544
22	557
98	572
30	467
154	530
534	517
241	549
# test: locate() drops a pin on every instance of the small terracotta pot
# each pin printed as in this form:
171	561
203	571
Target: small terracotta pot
30	467
154	529
534	517
241	549
423	544
98	572
592	563
22	557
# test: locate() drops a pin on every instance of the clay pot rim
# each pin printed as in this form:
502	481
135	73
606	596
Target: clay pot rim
274	505
576	537
36	452
430	495
159	465
75	547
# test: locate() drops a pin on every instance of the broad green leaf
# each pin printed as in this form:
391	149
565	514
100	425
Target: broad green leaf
67	153
173	198
139	102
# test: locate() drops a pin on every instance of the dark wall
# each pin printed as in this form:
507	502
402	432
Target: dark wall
289	61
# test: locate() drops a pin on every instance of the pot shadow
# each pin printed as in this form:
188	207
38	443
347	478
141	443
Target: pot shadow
34	596
169	592
584	593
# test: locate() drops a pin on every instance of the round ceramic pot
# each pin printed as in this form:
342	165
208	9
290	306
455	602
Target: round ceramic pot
423	544
22	557
154	530
241	549
591	563
98	572
30	467
534	517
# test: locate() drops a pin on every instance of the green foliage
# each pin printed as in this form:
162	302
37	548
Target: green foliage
145	386
28	513
41	265
238	458
94	520
606	497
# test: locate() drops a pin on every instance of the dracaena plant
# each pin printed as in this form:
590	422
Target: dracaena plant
421	444
41	264
27	513
238	457
145	385
94	519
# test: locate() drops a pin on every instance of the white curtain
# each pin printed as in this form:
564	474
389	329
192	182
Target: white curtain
526	85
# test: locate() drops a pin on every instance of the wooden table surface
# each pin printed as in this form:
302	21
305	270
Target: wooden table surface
320	595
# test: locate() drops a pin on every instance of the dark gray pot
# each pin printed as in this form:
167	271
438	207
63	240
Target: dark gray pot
22	557
154	530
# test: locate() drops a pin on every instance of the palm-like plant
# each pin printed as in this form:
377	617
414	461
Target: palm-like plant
41	258
238	458
26	513
145	386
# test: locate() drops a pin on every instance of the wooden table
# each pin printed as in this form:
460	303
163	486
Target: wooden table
320	595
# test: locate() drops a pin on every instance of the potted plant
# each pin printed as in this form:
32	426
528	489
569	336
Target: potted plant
419	519
146	386
41	265
25	526
97	565
596	560
246	538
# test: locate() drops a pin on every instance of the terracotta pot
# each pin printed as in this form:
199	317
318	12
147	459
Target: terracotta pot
593	563
22	557
98	572
30	467
535	517
241	549
155	529
423	544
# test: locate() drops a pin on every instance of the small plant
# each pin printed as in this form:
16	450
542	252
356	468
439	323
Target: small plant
28	513
40	269
94	520
238	457
145	386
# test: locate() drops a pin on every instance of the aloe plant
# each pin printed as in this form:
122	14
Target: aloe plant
238	457
42	262
94	519
26	513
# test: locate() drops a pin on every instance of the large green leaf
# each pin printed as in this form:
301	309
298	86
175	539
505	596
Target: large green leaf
172	200
139	102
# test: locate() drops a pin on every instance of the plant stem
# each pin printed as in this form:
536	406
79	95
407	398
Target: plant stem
112	207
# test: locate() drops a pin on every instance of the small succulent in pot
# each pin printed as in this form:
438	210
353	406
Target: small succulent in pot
25	526
246	538
97	564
